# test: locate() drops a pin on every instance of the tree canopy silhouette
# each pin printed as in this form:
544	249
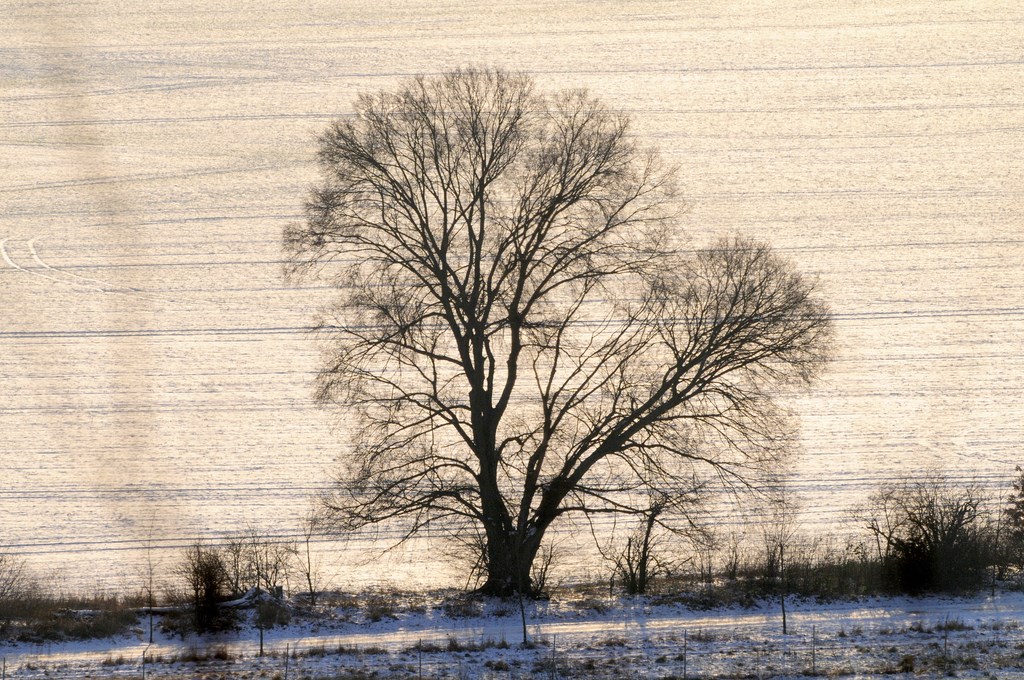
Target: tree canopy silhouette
516	336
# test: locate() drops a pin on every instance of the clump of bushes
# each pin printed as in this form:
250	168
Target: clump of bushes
30	613
930	536
462	606
246	567
205	574
379	607
36	617
921	535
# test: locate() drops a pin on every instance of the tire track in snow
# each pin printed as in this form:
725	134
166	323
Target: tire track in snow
14	265
101	285
76	281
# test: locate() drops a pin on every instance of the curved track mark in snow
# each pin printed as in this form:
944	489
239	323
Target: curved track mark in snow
11	263
83	284
103	286
35	256
3	251
89	283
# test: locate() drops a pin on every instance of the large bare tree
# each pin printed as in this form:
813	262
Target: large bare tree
516	337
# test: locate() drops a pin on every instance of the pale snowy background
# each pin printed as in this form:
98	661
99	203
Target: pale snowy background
154	369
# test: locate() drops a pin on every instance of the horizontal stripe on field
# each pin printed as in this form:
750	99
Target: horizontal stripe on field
164	490
304	330
151	249
342	542
645	113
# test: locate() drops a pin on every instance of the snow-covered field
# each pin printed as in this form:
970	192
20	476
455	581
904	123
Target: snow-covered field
967	637
155	371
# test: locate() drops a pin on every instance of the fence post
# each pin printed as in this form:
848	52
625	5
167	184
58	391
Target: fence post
286	654
814	650
782	583
784	664
684	655
554	659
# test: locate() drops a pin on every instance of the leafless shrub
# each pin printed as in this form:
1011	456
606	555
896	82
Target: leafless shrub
14	580
640	560
202	570
462	607
306	560
540	570
380	606
253	559
15	586
929	534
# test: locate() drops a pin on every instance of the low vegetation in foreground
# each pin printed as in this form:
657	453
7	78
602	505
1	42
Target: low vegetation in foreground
924	537
883	637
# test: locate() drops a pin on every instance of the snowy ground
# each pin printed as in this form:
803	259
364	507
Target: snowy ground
968	637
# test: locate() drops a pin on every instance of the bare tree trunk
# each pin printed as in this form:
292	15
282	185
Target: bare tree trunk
782	582
509	561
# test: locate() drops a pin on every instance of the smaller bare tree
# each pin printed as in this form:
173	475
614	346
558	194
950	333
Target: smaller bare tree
665	519
254	560
234	555
706	552
307	563
777	532
15	584
547	557
1012	524
734	555
202	569
264	564
270	560
149	570
640	559
13	577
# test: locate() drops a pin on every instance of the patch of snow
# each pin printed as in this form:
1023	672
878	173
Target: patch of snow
968	636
